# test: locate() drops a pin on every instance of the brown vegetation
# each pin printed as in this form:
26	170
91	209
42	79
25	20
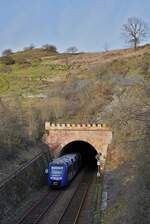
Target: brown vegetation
110	87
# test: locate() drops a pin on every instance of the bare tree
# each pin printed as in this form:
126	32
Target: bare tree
135	31
7	52
72	50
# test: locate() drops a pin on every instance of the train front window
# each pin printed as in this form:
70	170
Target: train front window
56	170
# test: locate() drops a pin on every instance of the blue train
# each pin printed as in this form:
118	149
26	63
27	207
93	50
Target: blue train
63	169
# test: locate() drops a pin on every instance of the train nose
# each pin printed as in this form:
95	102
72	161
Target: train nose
56	183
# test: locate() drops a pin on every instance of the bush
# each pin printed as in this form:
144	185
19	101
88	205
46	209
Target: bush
7	60
50	47
7	52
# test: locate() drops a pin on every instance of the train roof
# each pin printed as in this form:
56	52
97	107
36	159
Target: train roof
68	158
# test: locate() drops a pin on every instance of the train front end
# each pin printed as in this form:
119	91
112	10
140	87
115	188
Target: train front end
56	175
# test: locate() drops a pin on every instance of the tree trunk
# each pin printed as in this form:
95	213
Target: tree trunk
135	44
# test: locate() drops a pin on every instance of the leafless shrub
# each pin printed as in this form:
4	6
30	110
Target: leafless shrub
7	52
50	47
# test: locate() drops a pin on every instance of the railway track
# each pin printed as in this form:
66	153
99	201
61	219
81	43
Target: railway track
71	212
18	171
73	209
36	212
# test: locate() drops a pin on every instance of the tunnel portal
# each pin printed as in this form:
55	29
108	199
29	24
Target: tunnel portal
86	150
87	139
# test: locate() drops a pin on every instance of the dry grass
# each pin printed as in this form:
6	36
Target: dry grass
110	87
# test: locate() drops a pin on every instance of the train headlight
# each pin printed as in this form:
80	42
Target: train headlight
46	171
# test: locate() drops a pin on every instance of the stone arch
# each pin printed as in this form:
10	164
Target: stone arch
57	136
87	151
83	138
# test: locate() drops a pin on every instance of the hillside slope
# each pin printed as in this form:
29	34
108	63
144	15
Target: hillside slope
110	87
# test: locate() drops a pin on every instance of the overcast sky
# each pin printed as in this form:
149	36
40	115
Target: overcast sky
86	24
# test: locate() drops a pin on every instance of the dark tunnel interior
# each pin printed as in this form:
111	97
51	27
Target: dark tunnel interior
87	151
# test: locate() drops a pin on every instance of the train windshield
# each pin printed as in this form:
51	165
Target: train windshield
56	170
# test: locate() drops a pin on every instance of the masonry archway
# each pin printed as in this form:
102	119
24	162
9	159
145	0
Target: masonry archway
87	151
94	138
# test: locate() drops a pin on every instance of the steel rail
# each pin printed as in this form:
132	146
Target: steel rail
37	211
19	170
82	191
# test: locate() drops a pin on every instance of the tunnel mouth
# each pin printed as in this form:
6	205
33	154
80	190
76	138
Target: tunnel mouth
87	151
